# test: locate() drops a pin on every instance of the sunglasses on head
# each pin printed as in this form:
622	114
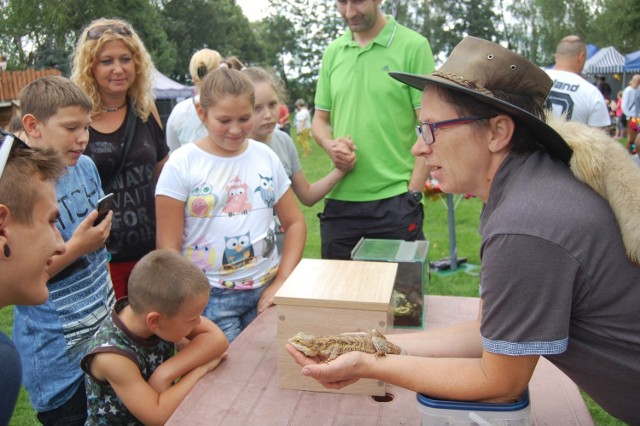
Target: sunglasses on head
97	32
8	141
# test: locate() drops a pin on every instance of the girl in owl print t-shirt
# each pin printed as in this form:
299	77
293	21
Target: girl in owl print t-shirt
215	201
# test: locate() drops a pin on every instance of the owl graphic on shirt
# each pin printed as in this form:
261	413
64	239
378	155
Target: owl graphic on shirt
201	254
266	190
237	198
202	201
238	252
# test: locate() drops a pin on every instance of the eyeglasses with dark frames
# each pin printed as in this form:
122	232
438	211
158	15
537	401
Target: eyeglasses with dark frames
427	128
97	32
7	142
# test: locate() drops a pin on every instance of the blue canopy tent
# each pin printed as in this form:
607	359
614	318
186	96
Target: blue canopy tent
605	61
632	62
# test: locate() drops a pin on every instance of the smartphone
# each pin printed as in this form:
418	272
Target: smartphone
104	205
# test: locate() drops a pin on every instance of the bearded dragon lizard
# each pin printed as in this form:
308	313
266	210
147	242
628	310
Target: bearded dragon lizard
330	347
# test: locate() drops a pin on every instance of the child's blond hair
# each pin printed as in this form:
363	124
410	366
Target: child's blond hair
223	82
203	62
261	75
43	97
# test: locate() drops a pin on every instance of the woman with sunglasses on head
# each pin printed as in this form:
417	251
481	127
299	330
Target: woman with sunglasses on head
28	241
560	249
126	140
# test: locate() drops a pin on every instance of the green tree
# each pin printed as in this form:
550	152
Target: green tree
479	18
146	17
30	25
400	10
278	37
445	23
536	26
215	24
40	33
315	23
617	23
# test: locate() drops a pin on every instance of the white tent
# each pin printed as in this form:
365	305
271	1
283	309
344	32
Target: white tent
165	88
605	61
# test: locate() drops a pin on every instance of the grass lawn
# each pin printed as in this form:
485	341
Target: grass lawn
464	282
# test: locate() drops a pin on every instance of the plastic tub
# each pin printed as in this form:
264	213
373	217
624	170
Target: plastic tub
437	412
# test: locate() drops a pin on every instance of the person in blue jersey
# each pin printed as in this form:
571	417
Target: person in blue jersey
53	337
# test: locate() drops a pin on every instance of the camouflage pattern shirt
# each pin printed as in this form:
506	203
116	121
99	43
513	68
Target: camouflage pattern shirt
103	405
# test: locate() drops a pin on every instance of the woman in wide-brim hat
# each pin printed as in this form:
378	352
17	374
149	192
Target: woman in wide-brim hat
556	280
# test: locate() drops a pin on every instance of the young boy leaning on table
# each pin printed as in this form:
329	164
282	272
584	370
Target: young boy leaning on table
132	367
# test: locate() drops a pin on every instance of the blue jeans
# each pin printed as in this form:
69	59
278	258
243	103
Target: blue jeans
71	413
10	378
233	310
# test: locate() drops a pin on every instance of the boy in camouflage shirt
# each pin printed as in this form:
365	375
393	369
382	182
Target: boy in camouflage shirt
130	367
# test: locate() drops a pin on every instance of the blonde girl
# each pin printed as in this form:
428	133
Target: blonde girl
184	125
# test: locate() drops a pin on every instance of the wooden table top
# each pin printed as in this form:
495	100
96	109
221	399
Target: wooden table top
243	390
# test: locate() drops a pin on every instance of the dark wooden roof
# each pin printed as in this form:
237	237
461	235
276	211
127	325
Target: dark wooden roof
11	82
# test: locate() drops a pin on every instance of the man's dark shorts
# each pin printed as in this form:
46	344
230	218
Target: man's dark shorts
343	223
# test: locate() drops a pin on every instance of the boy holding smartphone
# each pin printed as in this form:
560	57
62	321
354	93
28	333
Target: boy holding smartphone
53	337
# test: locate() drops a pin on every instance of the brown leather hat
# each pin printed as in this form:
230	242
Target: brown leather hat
468	69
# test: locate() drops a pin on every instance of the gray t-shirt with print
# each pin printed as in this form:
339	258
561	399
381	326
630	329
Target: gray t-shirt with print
555	280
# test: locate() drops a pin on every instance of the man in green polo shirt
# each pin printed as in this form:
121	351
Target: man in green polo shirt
360	110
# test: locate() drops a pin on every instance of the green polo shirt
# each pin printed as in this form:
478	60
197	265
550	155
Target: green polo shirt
377	111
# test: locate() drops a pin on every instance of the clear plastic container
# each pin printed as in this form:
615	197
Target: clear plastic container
408	289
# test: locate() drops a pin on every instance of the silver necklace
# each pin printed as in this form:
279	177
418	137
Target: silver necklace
114	109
